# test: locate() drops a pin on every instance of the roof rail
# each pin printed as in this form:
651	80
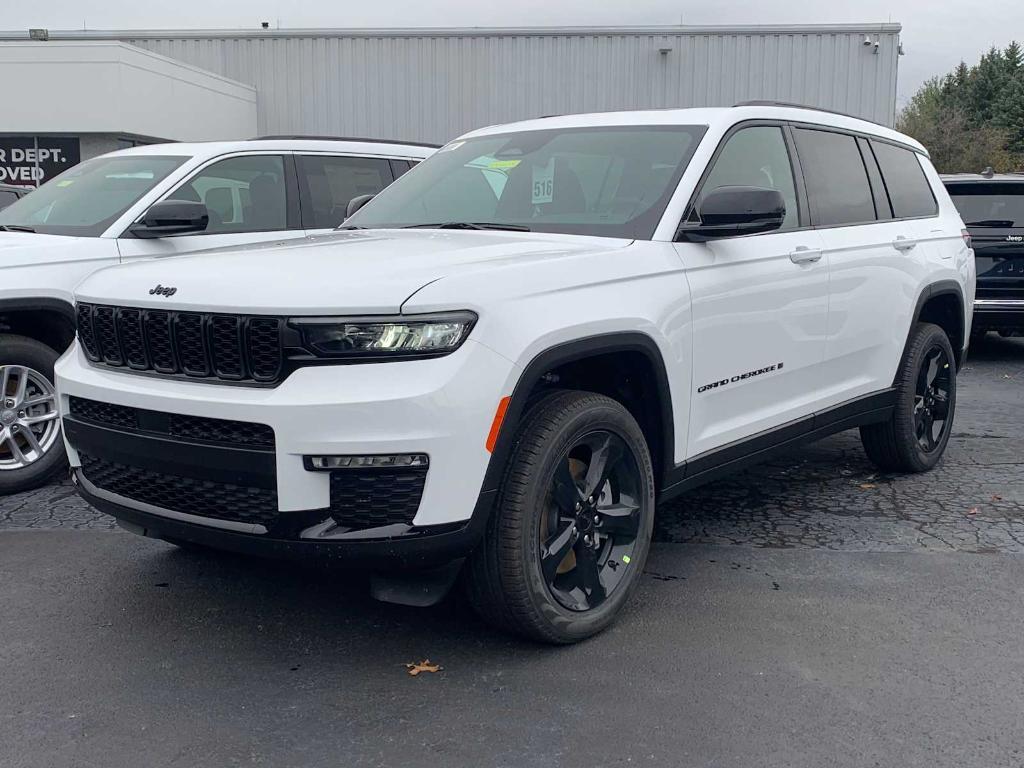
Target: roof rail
299	137
790	105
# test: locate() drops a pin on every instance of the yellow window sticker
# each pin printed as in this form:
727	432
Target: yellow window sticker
65	183
504	164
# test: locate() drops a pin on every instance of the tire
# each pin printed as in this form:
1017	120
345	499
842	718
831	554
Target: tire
899	444
564	433
19	353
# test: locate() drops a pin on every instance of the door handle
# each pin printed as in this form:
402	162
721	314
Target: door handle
804	255
902	243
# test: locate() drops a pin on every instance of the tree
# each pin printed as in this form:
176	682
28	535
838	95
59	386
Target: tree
972	117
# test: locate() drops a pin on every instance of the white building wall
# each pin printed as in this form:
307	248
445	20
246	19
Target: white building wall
432	85
108	87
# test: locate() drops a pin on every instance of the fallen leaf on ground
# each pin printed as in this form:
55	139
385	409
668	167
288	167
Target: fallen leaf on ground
867	486
423	666
996	497
973	511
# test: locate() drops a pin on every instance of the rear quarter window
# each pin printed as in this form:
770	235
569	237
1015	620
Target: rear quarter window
908	188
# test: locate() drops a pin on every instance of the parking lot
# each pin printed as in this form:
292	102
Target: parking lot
807	612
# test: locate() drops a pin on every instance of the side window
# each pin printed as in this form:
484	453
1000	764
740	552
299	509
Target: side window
908	187
329	182
838	192
398	167
242	194
882	205
756	157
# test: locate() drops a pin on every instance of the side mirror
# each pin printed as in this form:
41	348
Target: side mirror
735	211
171	217
356	203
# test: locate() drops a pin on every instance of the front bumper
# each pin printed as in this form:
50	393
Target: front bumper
998	314
441	408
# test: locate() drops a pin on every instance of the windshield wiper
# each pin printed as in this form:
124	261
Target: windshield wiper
990	223
470	225
15	228
349	227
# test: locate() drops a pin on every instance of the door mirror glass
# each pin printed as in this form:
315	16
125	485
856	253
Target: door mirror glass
356	203
735	211
172	217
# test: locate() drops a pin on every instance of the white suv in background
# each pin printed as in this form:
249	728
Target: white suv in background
151	201
517	349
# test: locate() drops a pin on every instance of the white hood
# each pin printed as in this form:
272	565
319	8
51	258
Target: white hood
29	249
357	272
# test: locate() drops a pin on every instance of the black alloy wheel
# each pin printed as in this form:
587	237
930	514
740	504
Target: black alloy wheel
914	437
571	527
590	524
931	402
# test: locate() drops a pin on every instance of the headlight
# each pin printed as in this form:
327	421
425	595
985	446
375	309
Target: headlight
385	337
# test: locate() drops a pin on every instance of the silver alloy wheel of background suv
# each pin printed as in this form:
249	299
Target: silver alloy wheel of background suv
29	424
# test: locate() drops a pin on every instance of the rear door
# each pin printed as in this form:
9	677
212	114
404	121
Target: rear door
994	215
876	259
759	303
328	182
251	198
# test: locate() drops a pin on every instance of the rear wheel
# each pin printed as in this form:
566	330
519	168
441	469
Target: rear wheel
915	437
31	449
567	540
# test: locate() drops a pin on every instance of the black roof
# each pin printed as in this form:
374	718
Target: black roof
297	137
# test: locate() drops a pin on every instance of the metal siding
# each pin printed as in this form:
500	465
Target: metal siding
432	86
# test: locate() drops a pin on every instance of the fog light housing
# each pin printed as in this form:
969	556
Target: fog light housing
378	461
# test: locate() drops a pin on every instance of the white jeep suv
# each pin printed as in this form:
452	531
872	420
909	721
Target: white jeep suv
152	201
511	354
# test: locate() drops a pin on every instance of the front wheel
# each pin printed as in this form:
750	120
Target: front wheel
31	450
568	537
916	435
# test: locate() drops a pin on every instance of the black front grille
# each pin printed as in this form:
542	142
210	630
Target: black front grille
198	429
371	498
205	498
198	345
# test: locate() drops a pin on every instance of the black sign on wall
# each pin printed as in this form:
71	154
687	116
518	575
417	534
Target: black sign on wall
28	161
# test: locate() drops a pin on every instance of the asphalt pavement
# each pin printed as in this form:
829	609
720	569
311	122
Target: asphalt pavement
808	612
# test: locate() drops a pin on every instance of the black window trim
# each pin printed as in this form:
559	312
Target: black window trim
867	177
795	169
305	195
291	193
927	181
879	189
802	202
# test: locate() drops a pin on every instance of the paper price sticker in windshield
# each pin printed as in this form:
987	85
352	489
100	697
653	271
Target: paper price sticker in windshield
501	164
543	183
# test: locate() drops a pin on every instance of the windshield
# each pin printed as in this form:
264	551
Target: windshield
989	205
611	182
85	200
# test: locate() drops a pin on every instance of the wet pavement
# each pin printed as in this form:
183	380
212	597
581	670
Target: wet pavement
825	496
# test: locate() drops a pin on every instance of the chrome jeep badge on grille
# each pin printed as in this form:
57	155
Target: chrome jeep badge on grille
162	291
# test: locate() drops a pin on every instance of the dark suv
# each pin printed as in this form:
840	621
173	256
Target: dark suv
992	207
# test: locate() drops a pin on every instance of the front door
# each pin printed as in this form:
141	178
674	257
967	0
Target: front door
250	199
760	306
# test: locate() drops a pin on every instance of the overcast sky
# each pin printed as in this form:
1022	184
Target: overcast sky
937	34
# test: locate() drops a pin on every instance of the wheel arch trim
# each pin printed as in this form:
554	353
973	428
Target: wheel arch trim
568	352
39	303
929	292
